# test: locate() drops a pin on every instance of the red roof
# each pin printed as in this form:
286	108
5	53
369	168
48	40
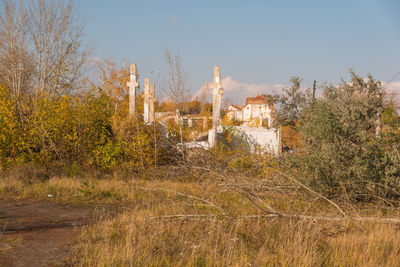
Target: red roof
260	99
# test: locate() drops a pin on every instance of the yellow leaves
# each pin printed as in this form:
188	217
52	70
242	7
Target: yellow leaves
256	122
227	135
114	80
8	127
91	129
270	167
138	140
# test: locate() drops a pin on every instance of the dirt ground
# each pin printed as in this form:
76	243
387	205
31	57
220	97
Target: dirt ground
36	233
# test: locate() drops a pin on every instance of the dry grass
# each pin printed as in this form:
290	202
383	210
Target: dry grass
133	240
199	217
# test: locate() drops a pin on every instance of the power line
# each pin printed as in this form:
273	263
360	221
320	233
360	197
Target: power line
394	76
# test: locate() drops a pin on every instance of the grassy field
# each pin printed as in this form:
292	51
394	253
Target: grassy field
188	216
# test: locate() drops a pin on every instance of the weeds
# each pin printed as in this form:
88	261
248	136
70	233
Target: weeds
213	213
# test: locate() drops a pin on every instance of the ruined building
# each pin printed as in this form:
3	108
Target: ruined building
256	131
258	111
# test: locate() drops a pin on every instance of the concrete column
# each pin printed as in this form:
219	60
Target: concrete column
151	103
217	104
217	96
132	84
146	114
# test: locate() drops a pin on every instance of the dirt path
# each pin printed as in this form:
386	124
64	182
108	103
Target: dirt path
41	233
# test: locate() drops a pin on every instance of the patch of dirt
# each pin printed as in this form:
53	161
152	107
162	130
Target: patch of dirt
36	233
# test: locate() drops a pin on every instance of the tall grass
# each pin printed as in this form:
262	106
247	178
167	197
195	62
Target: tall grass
134	240
210	214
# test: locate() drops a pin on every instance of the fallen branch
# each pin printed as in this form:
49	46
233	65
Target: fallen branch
247	194
281	215
327	218
182	216
314	192
276	214
185	195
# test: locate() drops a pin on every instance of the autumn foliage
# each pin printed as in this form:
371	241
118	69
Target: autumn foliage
91	129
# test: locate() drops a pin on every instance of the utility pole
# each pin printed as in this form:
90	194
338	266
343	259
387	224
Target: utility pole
313	89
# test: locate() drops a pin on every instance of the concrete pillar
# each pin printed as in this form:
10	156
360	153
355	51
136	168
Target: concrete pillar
217	96
151	103
217	104
132	84
212	137
146	99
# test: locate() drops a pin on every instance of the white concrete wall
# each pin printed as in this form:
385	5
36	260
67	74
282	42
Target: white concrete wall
247	113
234	114
194	144
239	115
251	112
256	139
260	111
231	112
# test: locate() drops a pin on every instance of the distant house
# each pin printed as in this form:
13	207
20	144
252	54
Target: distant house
258	111
235	112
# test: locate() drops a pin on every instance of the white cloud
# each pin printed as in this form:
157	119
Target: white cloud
393	87
392	90
237	91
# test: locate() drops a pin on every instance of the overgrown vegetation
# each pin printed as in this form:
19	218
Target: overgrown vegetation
85	130
332	201
222	209
344	152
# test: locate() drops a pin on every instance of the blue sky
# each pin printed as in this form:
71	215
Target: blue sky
255	42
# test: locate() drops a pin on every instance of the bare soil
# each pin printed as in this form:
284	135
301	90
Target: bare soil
34	233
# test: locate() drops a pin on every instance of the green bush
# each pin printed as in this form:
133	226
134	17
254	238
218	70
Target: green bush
342	154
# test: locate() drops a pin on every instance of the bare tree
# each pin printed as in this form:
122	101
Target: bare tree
16	63
113	79
49	32
176	80
56	31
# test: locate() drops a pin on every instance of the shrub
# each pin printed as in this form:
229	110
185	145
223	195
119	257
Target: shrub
342	155
88	129
8	127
